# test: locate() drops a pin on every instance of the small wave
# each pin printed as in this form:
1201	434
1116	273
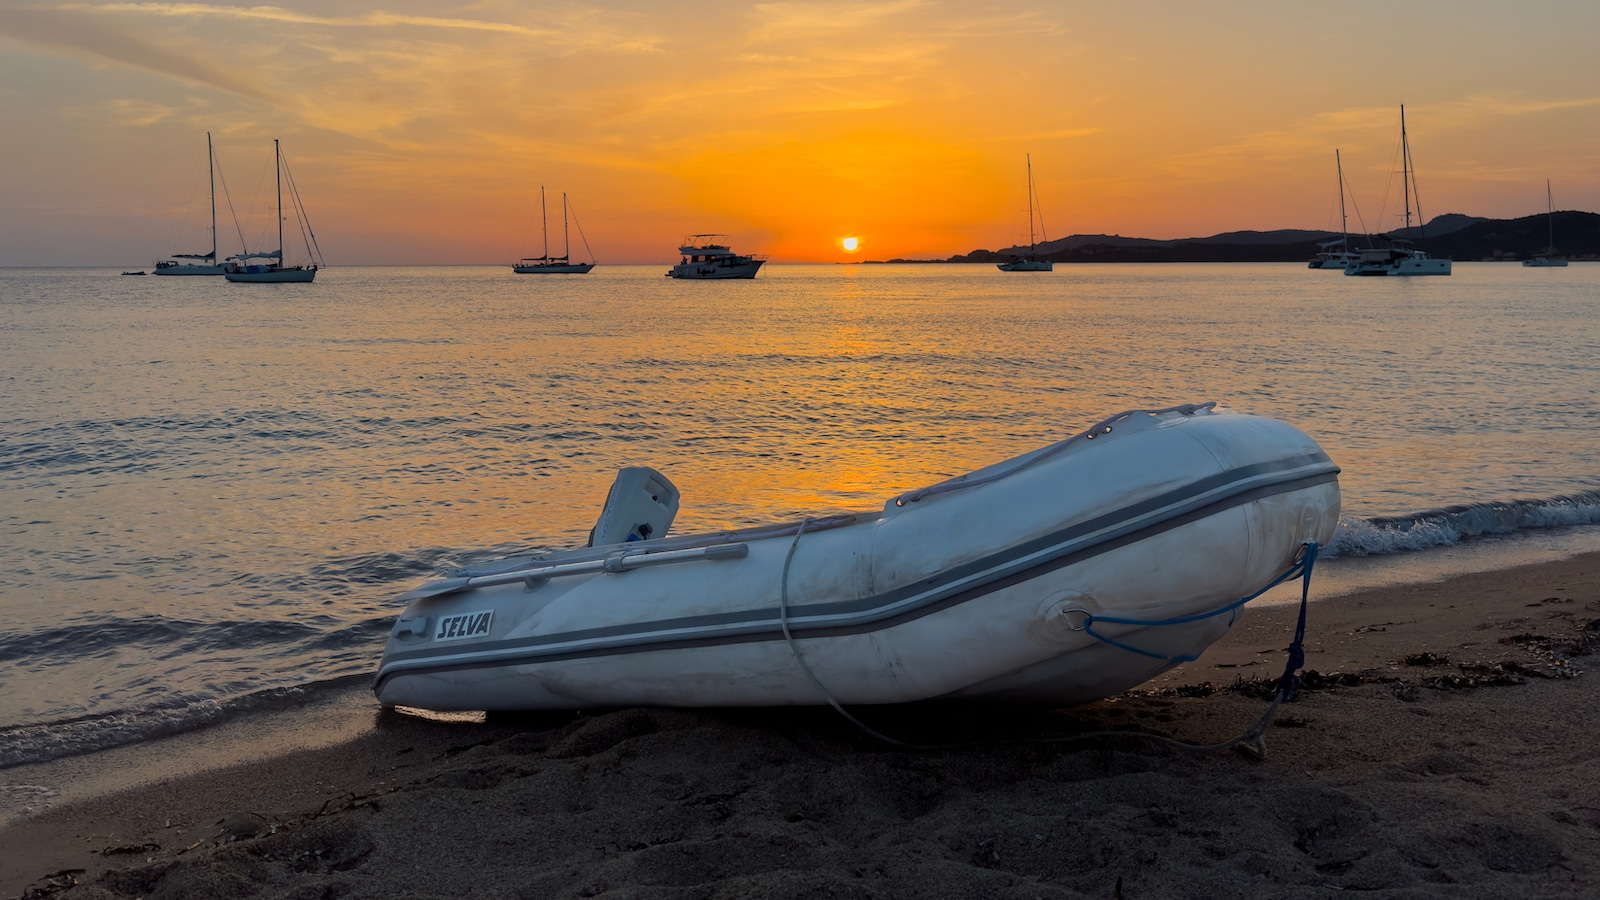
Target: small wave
1388	535
42	742
382	567
80	640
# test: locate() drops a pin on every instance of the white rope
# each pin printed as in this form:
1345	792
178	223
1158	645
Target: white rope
783	621
1252	740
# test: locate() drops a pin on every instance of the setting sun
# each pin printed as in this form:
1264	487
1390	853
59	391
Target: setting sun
850	244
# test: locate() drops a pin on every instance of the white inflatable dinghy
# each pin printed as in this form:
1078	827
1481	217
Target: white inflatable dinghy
1048	578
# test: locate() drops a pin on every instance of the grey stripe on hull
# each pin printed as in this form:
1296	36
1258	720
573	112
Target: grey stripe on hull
960	585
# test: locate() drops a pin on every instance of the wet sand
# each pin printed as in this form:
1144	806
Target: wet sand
1445	745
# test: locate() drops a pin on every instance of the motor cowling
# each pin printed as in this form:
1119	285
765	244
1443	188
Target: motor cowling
639	507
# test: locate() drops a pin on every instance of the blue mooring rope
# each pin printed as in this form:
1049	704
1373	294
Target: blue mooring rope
1290	682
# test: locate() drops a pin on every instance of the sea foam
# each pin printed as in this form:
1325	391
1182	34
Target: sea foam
1442	527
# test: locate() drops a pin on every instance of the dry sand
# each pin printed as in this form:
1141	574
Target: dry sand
1469	771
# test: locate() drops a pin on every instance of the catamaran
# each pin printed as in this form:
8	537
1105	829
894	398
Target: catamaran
243	270
1327	257
204	263
556	265
1548	260
1031	262
1401	257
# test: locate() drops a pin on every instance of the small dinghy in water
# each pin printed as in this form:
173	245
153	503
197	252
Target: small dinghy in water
1053	577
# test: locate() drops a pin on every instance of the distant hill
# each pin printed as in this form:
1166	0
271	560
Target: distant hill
1286	236
1260	238
1452	235
1439	227
1577	237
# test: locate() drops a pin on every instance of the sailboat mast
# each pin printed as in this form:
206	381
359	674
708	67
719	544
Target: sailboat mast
544	222
1344	221
1405	164
211	176
277	161
1030	203
566	237
1550	210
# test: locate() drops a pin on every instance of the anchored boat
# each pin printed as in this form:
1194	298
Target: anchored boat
242	269
1064	575
1327	257
556	265
199	263
1031	262
1401	257
1551	259
709	256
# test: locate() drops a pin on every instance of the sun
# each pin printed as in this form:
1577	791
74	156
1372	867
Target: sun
850	244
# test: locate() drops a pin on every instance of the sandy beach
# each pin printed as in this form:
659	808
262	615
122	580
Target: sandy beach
1444	745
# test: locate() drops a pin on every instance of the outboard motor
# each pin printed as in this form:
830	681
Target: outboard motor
641	505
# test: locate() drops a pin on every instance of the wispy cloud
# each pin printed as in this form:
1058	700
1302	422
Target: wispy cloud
1058	134
374	19
133	112
573	29
787	118
1473	110
63	31
788	21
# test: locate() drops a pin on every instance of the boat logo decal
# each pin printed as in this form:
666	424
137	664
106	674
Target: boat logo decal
463	626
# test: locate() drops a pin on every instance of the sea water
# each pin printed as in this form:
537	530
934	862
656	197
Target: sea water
211	493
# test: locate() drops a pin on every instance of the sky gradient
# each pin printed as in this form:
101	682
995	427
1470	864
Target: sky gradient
421	132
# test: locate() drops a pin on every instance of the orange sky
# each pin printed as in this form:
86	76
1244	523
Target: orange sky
421	132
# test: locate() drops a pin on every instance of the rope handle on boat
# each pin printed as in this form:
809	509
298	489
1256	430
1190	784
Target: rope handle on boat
1303	562
1252	741
1104	426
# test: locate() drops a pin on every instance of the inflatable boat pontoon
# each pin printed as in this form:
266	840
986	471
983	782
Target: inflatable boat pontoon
1039	579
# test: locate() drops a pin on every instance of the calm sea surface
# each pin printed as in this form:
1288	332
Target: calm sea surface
210	493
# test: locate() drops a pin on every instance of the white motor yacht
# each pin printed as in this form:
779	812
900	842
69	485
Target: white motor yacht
708	256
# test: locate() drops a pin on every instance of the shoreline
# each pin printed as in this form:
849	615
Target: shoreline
1335	577
1415	771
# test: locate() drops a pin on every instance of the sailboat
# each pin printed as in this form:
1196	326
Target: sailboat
1401	257
1031	262
1548	260
243	270
1327	257
556	265
204	263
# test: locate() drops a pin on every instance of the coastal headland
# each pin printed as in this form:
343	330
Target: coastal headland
1442	745
1450	236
